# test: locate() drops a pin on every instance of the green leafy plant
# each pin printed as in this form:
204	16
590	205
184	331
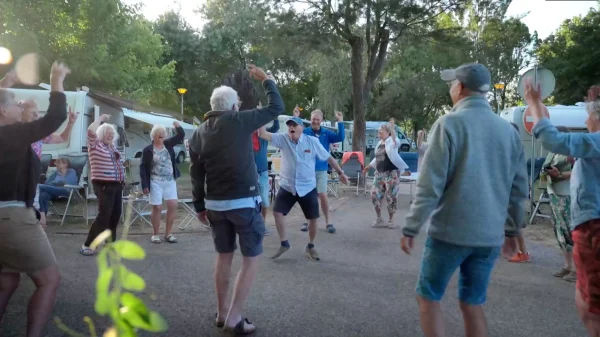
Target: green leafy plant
114	287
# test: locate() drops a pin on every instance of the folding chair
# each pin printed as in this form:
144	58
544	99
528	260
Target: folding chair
190	214
544	197
135	201
45	161
332	184
352	165
78	163
412	160
274	176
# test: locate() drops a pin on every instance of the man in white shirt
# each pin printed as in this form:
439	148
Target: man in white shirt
298	181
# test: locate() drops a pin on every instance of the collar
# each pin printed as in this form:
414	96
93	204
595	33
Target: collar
300	140
472	102
214	113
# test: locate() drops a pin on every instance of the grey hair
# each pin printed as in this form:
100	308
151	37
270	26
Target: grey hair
387	127
317	112
101	132
593	108
223	98
157	128
6	97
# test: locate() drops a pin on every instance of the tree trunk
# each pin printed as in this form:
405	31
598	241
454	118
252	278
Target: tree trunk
358	96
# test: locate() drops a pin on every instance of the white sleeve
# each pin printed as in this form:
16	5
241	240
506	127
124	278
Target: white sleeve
278	139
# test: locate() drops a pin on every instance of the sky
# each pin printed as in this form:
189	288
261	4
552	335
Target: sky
545	16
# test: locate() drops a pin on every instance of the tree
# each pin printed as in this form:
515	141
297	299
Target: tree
571	54
366	28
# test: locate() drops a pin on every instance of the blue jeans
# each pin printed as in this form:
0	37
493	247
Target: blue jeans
441	259
49	192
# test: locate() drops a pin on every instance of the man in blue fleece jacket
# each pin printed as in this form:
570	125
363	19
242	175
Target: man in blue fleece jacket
326	137
472	190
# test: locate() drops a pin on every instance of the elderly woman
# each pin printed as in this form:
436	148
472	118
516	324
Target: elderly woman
585	198
108	177
388	168
24	246
158	172
53	188
31	113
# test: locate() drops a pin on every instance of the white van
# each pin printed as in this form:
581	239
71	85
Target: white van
372	138
572	117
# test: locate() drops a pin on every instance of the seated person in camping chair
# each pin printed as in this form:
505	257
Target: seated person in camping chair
53	188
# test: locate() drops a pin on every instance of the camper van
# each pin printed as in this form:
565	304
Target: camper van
372	138
572	117
133	127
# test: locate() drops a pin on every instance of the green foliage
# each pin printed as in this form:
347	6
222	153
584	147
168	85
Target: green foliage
573	56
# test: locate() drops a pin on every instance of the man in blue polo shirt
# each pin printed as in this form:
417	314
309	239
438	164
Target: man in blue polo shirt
326	138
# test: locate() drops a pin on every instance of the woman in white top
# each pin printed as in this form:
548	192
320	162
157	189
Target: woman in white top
421	147
388	167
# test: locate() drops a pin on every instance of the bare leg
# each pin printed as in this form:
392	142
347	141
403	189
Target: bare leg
312	230
569	265
474	318
280	224
591	321
378	211
155	219
263	211
222	277
391	215
432	319
9	282
243	284
521	243
171	215
43	220
43	299
324	206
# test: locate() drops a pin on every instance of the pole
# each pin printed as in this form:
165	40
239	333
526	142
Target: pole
497	103
182	108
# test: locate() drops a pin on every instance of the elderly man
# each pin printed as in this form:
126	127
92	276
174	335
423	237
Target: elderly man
326	137
298	183
222	158
473	192
585	198
24	246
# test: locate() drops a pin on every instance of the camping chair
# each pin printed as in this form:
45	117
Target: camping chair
352	165
544	197
274	176
332	184
45	161
190	214
78	163
135	201
412	160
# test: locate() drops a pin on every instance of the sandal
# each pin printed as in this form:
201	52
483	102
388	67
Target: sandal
217	323
391	225
171	238
87	251
244	327
562	273
155	239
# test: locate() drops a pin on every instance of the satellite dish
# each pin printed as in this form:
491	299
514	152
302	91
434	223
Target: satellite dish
542	76
27	69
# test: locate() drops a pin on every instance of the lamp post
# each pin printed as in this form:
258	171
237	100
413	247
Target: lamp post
181	92
498	86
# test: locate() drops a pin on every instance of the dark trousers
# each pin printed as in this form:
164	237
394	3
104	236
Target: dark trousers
110	206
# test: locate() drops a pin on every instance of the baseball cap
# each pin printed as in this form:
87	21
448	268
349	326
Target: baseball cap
296	120
474	76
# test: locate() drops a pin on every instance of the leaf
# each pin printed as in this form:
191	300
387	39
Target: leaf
129	250
100	238
134	303
102	305
134	319
130	280
157	322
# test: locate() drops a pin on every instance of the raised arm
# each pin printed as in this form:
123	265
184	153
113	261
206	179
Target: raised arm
96	124
275	127
253	119
264	134
9	79
66	135
341	134
179	136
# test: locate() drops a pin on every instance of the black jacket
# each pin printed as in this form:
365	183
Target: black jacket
19	166
148	154
221	152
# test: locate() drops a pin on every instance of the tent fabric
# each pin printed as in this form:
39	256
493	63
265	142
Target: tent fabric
153	119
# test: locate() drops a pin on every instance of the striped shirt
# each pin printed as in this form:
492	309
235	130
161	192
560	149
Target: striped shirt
106	162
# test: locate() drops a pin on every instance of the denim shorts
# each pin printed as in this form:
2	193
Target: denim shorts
263	185
440	261
247	223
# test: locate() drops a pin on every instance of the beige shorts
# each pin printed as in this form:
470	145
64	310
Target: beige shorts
322	178
24	246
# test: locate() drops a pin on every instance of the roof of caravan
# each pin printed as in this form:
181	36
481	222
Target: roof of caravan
155	119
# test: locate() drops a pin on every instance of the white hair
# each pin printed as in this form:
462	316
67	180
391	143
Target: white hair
388	127
593	108
101	132
223	98
156	129
317	112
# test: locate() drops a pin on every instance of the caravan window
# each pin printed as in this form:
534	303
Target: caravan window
122	141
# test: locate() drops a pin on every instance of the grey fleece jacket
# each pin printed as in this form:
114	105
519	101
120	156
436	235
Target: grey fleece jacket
473	183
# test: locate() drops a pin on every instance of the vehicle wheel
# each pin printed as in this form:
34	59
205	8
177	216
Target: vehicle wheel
138	155
180	157
404	147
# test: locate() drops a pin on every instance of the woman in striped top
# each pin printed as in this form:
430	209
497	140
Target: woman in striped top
108	176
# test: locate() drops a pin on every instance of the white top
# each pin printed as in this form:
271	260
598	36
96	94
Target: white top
298	162
392	153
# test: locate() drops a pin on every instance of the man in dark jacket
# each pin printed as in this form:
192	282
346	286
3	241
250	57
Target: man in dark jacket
24	246
222	157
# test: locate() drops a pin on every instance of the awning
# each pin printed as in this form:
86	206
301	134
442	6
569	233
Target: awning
154	119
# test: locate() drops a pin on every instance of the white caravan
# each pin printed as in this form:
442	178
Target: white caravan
572	117
372	138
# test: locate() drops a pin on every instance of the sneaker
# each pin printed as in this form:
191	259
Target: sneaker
282	249
378	223
330	228
391	224
312	253
171	238
520	257
570	277
155	239
304	227
562	273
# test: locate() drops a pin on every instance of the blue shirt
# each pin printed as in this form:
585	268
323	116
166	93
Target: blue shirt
297	174
260	157
326	137
70	178
585	176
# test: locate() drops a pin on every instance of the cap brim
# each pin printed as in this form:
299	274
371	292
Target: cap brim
291	122
448	75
